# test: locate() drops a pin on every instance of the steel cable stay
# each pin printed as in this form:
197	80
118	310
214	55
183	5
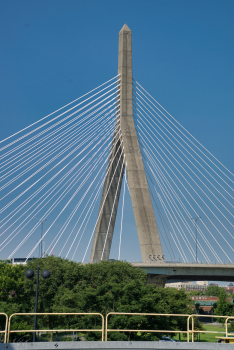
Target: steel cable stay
183	256
170	199
122	151
160	175
44	185
184	148
61	231
67	188
187	181
139	112
84	135
49	211
52	188
187	133
107	232
162	219
177	197
192	197
51	120
173	216
68	155
94	200
194	174
117	76
57	140
146	157
183	206
59	122
100	141
195	203
121	223
52	133
84	207
52	224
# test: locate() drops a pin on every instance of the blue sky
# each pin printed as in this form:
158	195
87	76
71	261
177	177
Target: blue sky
55	51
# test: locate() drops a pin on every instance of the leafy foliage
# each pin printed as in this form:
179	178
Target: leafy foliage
213	291
224	307
100	288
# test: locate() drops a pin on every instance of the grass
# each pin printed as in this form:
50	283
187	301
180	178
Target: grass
205	337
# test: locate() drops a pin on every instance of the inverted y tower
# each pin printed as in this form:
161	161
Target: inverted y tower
128	152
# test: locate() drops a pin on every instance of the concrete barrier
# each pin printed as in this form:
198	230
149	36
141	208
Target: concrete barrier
123	345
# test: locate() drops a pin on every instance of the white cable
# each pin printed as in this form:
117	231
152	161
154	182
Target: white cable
62	120
192	150
61	144
56	185
59	110
53	205
80	145
194	174
46	214
82	211
55	140
166	212
168	195
185	156
121	225
188	133
51	225
163	179
171	213
78	205
92	205
197	205
93	156
103	204
206	241
191	186
107	233
19	154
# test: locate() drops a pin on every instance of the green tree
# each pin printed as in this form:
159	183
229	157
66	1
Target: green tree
195	293
213	291
223	306
104	287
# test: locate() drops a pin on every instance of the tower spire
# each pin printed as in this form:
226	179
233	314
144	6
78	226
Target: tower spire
141	201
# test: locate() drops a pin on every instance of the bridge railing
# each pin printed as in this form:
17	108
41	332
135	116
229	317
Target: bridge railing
193	331
104	325
5	330
55	330
142	330
227	319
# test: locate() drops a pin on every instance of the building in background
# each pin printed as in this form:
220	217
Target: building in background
188	286
229	288
205	305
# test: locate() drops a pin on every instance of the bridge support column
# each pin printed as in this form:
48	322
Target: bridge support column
159	281
141	201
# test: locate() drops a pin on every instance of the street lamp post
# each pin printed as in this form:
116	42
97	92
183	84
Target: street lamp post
30	274
195	220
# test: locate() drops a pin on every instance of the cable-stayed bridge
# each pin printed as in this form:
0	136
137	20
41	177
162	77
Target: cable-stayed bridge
78	167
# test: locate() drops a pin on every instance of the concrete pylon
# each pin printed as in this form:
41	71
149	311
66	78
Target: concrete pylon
141	201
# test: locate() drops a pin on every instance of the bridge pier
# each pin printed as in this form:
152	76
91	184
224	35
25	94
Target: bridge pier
159	281
141	200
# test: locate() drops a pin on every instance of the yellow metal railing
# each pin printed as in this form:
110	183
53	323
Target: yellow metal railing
192	331
5	331
189	331
56	330
228	318
141	330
